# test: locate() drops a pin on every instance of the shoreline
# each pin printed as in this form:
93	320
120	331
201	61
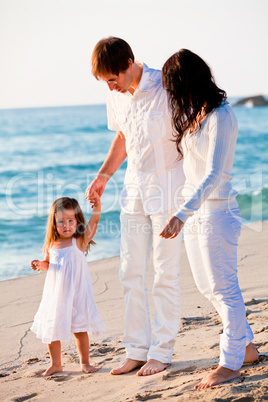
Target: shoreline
255	226
35	273
196	350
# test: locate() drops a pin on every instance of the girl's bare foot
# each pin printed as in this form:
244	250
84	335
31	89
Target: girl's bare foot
51	370
152	367
87	368
218	376
251	353
127	366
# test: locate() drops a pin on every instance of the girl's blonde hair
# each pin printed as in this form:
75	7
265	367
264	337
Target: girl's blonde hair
62	204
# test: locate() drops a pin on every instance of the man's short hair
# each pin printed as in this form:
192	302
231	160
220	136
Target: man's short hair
111	56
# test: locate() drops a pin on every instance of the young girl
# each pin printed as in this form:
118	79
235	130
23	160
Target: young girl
206	132
67	304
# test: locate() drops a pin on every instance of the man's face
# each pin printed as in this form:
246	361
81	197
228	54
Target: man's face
121	82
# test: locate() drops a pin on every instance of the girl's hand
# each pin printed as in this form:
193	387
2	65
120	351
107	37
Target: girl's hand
94	199
172	228
36	264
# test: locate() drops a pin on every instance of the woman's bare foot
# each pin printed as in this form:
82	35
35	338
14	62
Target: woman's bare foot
87	368
127	366
218	376
51	370
251	353
152	367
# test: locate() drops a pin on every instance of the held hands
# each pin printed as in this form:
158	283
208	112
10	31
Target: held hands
95	200
172	228
96	189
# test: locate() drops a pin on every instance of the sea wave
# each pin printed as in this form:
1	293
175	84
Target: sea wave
254	205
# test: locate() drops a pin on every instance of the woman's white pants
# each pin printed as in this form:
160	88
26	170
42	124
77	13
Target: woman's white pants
211	239
143	341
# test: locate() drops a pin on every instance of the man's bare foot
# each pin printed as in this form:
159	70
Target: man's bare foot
218	376
127	366
251	353
152	367
87	368
51	370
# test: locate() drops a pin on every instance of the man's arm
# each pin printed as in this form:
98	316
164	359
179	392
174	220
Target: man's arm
116	156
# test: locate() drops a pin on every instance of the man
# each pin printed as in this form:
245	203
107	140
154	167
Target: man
137	110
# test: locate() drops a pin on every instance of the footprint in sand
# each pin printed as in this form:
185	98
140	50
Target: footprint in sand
25	397
146	397
33	360
263	329
171	374
192	322
55	376
104	350
73	358
101	351
4	374
262	358
216	345
58	377
253	301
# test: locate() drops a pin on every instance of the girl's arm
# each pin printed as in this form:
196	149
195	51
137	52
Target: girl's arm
41	265
92	225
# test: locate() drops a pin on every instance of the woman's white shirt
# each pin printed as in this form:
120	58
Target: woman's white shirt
208	161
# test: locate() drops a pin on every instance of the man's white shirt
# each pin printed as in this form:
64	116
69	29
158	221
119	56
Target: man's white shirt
154	174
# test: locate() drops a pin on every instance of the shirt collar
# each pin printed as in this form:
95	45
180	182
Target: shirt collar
144	82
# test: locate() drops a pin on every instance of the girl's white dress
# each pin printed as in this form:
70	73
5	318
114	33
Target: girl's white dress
67	304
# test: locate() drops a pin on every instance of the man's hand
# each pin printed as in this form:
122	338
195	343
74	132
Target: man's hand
96	189
95	201
172	228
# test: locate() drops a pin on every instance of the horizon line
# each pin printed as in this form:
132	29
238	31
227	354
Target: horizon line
92	104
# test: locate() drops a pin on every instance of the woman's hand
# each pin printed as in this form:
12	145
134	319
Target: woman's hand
172	228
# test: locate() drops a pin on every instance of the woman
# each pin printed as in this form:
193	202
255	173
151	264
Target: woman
206	132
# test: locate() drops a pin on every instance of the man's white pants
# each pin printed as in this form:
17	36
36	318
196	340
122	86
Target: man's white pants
138	233
211	239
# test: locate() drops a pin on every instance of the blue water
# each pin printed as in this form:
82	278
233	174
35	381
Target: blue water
47	153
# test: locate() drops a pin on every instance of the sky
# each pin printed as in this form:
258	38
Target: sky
46	45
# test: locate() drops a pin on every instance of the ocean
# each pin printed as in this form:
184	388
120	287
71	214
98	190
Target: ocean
47	153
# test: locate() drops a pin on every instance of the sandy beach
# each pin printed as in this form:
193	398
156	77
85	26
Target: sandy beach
196	349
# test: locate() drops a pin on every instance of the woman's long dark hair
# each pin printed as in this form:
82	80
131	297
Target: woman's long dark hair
190	86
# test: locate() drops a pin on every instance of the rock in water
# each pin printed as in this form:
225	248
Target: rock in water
251	101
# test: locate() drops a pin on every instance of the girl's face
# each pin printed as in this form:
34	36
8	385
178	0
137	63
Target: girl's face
66	223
